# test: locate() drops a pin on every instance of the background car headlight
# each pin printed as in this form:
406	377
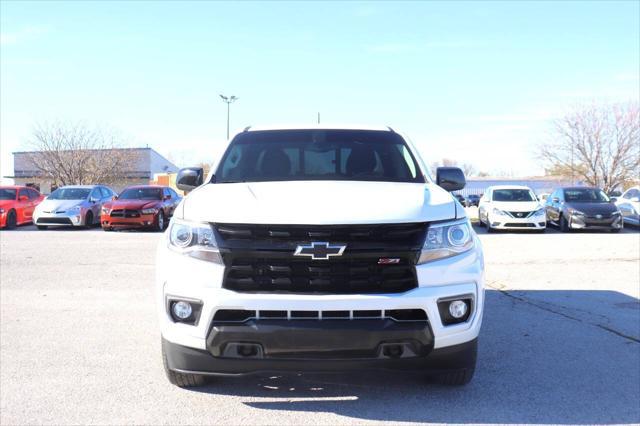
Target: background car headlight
539	212
194	239
74	209
106	210
446	239
616	213
498	212
149	211
1	211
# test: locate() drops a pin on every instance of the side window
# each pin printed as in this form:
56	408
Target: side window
33	194
23	192
105	192
166	193
174	194
631	193
96	193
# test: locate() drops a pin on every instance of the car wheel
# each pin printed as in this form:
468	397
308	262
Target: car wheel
42	227
183	380
616	230
456	377
88	219
12	221
107	229
564	224
488	225
480	222
159	226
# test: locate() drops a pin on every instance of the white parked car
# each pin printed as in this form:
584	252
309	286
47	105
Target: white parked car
511	207
72	206
319	249
629	205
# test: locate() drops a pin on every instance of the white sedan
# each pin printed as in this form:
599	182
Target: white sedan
629	205
511	207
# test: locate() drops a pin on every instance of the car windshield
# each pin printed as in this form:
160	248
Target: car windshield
513	195
288	155
7	194
69	194
141	194
585	195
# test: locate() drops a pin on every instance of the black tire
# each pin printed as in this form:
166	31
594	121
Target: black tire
42	227
107	228
456	377
12	220
616	230
159	223
480	222
490	230
183	380
88	219
564	224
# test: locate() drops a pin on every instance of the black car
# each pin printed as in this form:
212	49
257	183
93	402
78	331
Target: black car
582	208
462	200
473	200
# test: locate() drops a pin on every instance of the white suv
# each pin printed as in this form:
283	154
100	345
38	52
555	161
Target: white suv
319	249
511	207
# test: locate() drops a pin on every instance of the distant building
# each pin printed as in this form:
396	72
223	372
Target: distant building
539	185
148	164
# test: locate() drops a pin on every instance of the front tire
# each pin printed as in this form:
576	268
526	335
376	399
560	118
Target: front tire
159	222
183	380
12	220
456	377
42	227
564	224
88	220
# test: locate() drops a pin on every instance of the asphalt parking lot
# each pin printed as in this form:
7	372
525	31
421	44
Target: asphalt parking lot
80	344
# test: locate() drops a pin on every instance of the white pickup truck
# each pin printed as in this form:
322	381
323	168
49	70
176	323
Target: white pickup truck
319	249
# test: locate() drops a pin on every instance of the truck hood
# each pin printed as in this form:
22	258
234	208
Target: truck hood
319	203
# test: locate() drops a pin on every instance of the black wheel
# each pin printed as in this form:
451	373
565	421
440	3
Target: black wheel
456	377
88	219
564	224
183	380
107	228
488	225
42	227
480	222
616	230
12	220
159	223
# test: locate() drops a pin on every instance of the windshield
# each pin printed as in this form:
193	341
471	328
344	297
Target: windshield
7	194
69	194
287	155
141	194
585	195
513	195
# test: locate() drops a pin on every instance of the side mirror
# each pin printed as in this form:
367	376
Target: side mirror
115	197
613	199
450	178
167	197
555	199
23	198
190	178
93	200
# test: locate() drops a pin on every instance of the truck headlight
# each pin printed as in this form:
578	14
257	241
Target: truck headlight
194	239
446	240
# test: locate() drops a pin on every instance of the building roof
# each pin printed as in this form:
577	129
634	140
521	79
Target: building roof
96	149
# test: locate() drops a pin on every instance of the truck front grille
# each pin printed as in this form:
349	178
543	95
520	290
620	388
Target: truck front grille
345	276
241	315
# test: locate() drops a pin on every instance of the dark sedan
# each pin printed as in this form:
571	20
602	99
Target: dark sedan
582	208
473	200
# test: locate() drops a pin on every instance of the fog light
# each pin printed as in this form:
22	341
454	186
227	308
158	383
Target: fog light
457	309
182	310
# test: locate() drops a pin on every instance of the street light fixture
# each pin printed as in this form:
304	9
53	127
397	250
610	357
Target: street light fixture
228	100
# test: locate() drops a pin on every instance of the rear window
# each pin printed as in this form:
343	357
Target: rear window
288	155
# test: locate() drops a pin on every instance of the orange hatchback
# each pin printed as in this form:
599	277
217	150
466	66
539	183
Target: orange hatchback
17	204
144	206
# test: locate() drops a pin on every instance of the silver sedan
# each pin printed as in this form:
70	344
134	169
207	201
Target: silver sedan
72	206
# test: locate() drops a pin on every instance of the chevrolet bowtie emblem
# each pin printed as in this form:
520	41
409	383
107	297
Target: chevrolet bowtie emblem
320	250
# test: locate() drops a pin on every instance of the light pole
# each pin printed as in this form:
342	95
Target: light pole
228	100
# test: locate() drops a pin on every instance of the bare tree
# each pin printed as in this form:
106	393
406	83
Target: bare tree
598	144
74	154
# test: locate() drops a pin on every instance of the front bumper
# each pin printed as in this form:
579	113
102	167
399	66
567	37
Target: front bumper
184	359
3	219
182	277
586	222
75	218
533	223
141	221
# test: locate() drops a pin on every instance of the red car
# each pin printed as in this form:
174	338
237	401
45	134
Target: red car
144	206
17	204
